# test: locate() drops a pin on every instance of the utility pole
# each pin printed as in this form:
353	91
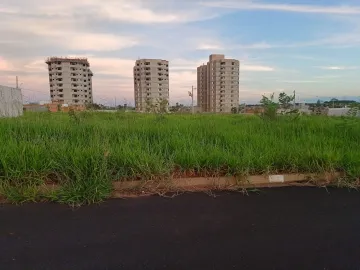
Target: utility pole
17	82
294	99
115	103
191	94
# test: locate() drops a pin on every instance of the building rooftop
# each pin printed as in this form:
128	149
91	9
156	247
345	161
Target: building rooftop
151	59
67	59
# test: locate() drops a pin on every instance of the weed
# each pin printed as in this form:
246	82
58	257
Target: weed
106	147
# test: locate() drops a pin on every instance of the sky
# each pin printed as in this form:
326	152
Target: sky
312	47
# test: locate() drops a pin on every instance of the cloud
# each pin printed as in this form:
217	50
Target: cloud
338	68
5	65
209	47
69	34
247	5
179	64
260	45
112	66
327	77
247	67
297	81
98	42
230	46
114	33
137	11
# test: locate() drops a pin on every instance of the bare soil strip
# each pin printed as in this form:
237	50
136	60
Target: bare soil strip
123	189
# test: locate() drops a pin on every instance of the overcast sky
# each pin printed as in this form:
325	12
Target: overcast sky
309	46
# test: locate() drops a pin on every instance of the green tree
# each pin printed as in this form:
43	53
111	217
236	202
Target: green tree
285	100
354	109
270	107
163	106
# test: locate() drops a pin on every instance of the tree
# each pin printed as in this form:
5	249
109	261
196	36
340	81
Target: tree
234	110
270	107
163	106
150	107
285	100
94	106
178	107
354	109
242	108
319	108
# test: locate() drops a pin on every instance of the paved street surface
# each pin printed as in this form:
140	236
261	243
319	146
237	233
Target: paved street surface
285	228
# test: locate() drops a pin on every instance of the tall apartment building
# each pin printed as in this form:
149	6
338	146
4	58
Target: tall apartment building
218	84
70	80
151	83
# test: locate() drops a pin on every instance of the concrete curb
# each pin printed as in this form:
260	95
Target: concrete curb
251	181
138	188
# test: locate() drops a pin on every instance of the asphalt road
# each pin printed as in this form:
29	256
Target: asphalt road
285	228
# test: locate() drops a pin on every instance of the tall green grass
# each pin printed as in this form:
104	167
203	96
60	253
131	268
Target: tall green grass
85	152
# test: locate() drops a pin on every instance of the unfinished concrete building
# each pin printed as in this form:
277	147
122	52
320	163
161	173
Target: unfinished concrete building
218	84
151	84
70	80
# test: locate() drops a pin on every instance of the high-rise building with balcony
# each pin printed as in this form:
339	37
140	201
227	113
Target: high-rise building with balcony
70	80
218	84
151	83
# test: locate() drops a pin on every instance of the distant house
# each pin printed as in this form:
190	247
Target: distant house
61	107
35	107
11	104
338	111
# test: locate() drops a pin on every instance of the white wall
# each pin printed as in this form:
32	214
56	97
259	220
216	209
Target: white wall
11	104
338	111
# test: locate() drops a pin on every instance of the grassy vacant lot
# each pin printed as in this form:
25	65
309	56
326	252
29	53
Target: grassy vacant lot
86	151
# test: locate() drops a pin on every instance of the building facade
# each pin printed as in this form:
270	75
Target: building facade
70	80
218	84
151	84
